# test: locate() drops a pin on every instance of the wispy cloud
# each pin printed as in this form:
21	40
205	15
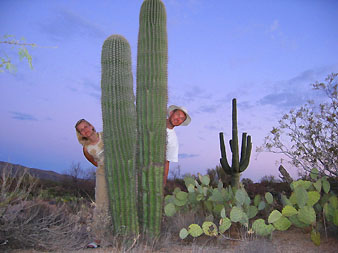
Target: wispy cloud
195	92
244	105
225	103
22	116
212	127
274	26
283	99
89	87
216	126
95	95
208	108
294	92
189	95
187	5
66	24
91	84
184	156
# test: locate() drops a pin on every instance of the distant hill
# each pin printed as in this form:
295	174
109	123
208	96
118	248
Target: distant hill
37	173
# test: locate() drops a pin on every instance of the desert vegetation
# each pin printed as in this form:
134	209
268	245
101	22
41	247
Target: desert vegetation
214	212
307	136
35	216
210	217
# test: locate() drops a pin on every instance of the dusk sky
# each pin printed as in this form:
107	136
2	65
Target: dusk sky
264	53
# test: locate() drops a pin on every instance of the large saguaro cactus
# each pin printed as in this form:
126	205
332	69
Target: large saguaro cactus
238	165
119	128
125	151
151	106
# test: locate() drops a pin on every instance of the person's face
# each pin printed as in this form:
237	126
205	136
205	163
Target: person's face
177	117
85	129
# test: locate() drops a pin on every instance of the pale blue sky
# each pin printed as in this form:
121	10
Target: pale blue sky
264	53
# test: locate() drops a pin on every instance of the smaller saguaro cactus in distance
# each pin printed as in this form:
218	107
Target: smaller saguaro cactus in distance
239	164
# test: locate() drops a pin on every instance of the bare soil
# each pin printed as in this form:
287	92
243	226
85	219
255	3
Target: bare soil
294	241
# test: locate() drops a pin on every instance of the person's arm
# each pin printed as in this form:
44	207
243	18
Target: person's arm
166	172
89	157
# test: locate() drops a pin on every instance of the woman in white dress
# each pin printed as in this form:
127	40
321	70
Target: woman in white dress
93	150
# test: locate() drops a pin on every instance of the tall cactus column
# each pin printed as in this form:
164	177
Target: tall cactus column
238	165
119	128
151	106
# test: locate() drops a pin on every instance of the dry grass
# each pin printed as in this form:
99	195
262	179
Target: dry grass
39	225
15	188
28	222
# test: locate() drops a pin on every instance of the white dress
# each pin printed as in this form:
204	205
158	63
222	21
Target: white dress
101	189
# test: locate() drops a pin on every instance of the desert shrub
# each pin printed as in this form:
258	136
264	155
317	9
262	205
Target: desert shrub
15	187
246	182
66	190
40	225
269	179
28	222
79	182
81	188
173	183
307	136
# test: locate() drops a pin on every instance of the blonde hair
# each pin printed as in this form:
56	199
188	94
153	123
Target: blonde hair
83	140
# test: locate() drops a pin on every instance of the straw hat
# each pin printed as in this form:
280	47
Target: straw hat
183	109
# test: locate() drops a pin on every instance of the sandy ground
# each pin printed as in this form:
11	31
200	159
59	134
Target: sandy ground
293	240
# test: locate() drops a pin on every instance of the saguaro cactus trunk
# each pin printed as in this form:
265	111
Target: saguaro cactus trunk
238	165
151	104
119	128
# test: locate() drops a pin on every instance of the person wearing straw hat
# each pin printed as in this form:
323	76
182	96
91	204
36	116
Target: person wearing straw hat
177	116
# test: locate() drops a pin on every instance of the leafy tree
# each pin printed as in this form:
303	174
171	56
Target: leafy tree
308	136
21	47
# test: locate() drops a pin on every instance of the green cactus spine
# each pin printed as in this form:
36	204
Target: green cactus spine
119	127
151	104
238	164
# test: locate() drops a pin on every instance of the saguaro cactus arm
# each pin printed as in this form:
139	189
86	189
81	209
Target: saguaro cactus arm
223	160
245	152
243	148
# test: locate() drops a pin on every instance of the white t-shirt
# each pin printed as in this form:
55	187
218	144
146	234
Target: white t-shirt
172	146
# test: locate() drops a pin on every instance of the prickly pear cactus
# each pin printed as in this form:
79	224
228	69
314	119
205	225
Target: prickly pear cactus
119	128
308	201
261	228
151	104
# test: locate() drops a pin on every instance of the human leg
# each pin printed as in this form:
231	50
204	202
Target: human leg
101	217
